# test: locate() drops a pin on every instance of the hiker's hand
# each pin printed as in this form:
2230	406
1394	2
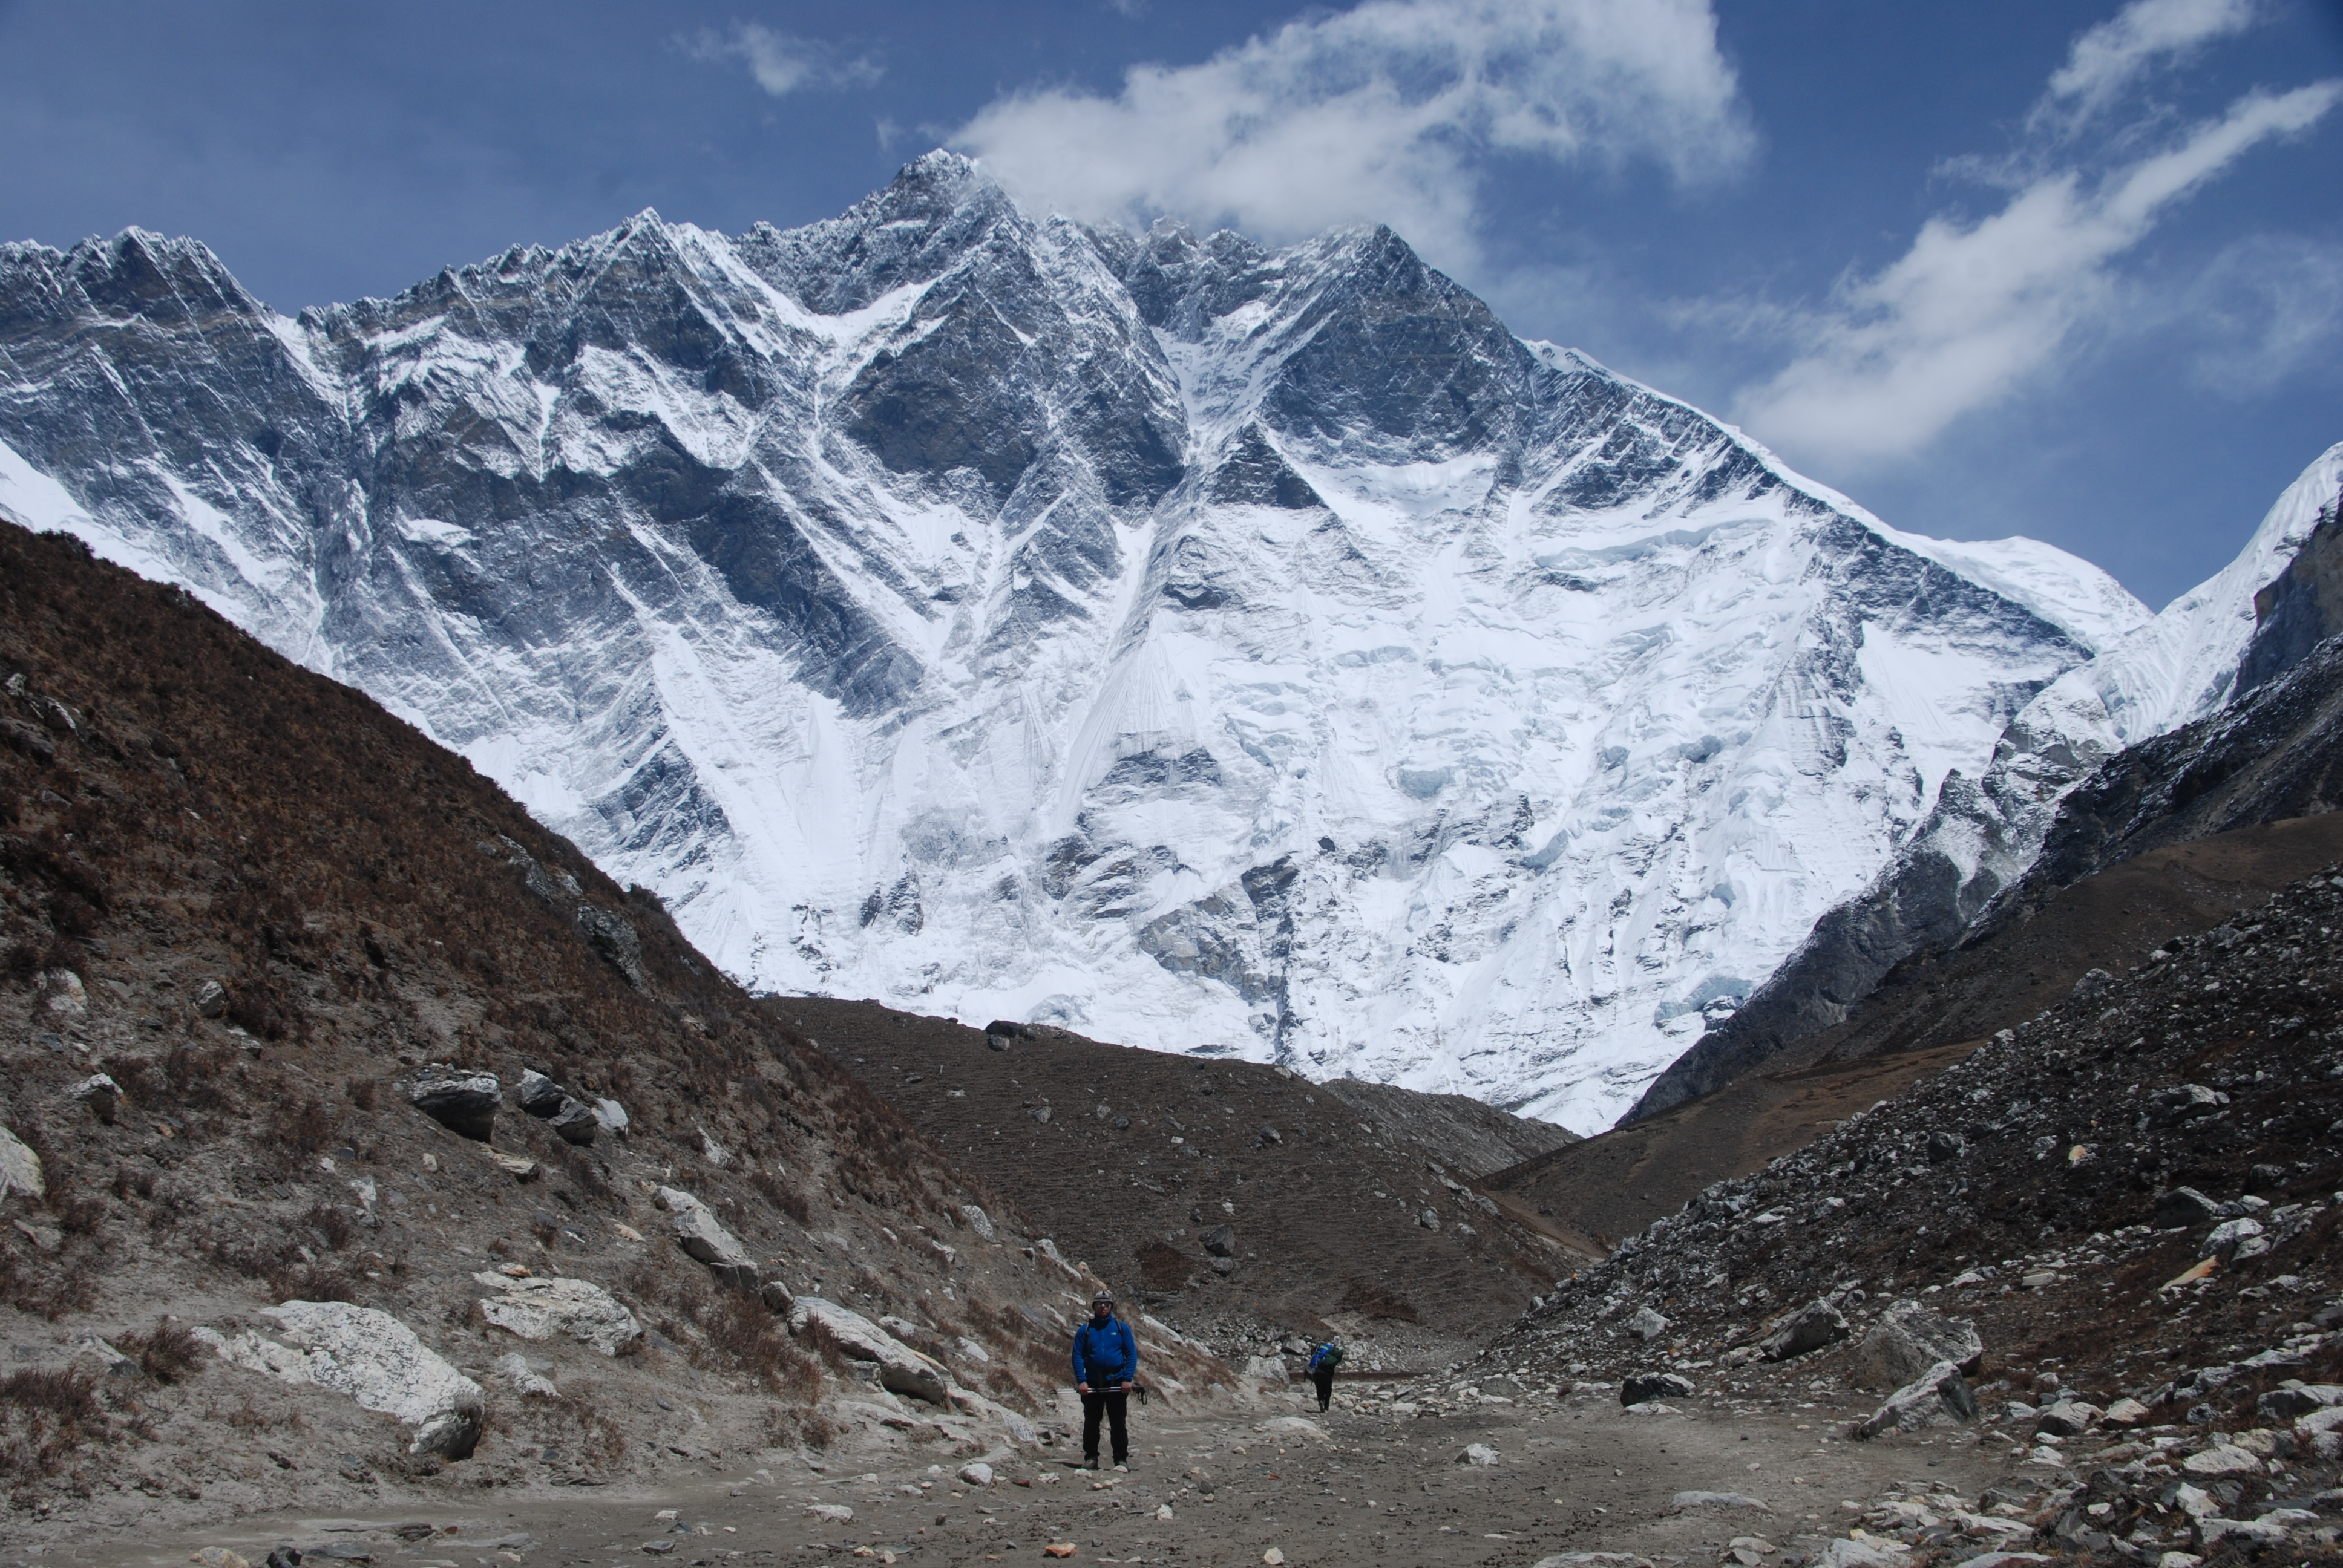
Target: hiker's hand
1081	1388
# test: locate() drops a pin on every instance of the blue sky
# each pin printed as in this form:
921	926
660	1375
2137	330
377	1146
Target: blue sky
2070	270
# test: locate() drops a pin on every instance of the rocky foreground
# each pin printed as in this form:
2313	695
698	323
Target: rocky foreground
2104	1241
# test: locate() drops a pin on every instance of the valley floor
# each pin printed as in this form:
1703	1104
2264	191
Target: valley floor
1364	1484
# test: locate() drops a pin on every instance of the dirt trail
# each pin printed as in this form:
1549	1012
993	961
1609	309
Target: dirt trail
1363	1485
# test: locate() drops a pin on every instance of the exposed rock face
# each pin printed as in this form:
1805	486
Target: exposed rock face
1265	636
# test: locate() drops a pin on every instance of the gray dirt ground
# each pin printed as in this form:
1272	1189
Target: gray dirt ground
1363	1485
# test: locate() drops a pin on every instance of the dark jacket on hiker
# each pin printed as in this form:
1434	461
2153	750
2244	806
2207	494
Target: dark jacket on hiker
1105	1353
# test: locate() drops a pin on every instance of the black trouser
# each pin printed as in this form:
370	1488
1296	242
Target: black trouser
1324	1378
1114	1406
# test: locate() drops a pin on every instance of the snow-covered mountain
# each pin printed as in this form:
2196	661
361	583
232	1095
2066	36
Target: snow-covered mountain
1216	648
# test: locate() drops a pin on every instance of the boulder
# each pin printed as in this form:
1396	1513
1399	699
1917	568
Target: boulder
1479	1454
463	1102
1908	1340
2229	1237
2294	1398
577	1123
1220	1240
20	1168
540	1095
2183	1103
1938	1397
515	1370
701	1234
612	936
100	1094
1644	1387
539	1309
976	1473
1816	1325
1267	1368
1850	1554
2067	1418
211	1000
2125	1412
62	993
978	1221
1429	1219
612	1116
1646	1324
901	1369
1945	1146
2222	1459
2183	1208
372	1358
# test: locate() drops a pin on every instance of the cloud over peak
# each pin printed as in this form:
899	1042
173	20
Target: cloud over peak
1380	113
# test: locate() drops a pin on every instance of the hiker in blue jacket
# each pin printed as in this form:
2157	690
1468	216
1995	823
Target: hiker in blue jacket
1106	1363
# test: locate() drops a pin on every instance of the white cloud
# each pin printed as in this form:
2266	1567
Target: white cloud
1971	310
2269	308
1378	114
2109	57
779	62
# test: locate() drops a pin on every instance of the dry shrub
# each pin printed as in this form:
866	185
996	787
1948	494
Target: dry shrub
757	1344
308	1126
329	1224
362	1092
781	1195
194	1072
165	1353
313	1283
45	1415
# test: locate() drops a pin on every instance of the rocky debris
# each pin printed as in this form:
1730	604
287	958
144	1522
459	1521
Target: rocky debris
538	1308
1938	1397
1905	1342
901	1369
1644	1387
100	1094
704	1238
1646	1324
1220	1240
20	1168
1818	1324
524	1379
372	1358
463	1102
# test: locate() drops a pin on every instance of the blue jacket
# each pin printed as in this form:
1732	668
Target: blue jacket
1105	1353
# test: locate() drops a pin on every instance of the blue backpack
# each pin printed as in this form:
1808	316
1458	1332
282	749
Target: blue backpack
1328	1356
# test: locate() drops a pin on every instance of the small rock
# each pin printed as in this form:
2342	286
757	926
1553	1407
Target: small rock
1686	1499
1273	1557
1850	1554
576	1123
20	1168
2067	1418
540	1095
2183	1208
1040	1113
1594	1560
2248	1531
1477	1453
1220	1240
211	1000
2171	1107
830	1512
2125	1412
2228	1237
100	1094
1644	1387
463	1102
519	1167
219	1557
2222	1459
62	992
612	1116
1429	1219
514	1369
1816	1326
1646	1324
976	1474
2093	985
704	1238
2037	1280
978	1221
1945	1146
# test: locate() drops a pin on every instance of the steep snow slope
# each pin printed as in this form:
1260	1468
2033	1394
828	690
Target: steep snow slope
1223	649
1985	832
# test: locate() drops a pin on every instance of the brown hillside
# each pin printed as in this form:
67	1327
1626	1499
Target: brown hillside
180	810
1143	1153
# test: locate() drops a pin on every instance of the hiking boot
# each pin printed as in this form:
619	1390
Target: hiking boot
1122	1468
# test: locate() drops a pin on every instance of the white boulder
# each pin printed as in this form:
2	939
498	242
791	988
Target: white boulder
703	1236
372	1358
20	1168
538	1309
901	1369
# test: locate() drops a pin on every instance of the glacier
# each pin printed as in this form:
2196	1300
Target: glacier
1215	648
